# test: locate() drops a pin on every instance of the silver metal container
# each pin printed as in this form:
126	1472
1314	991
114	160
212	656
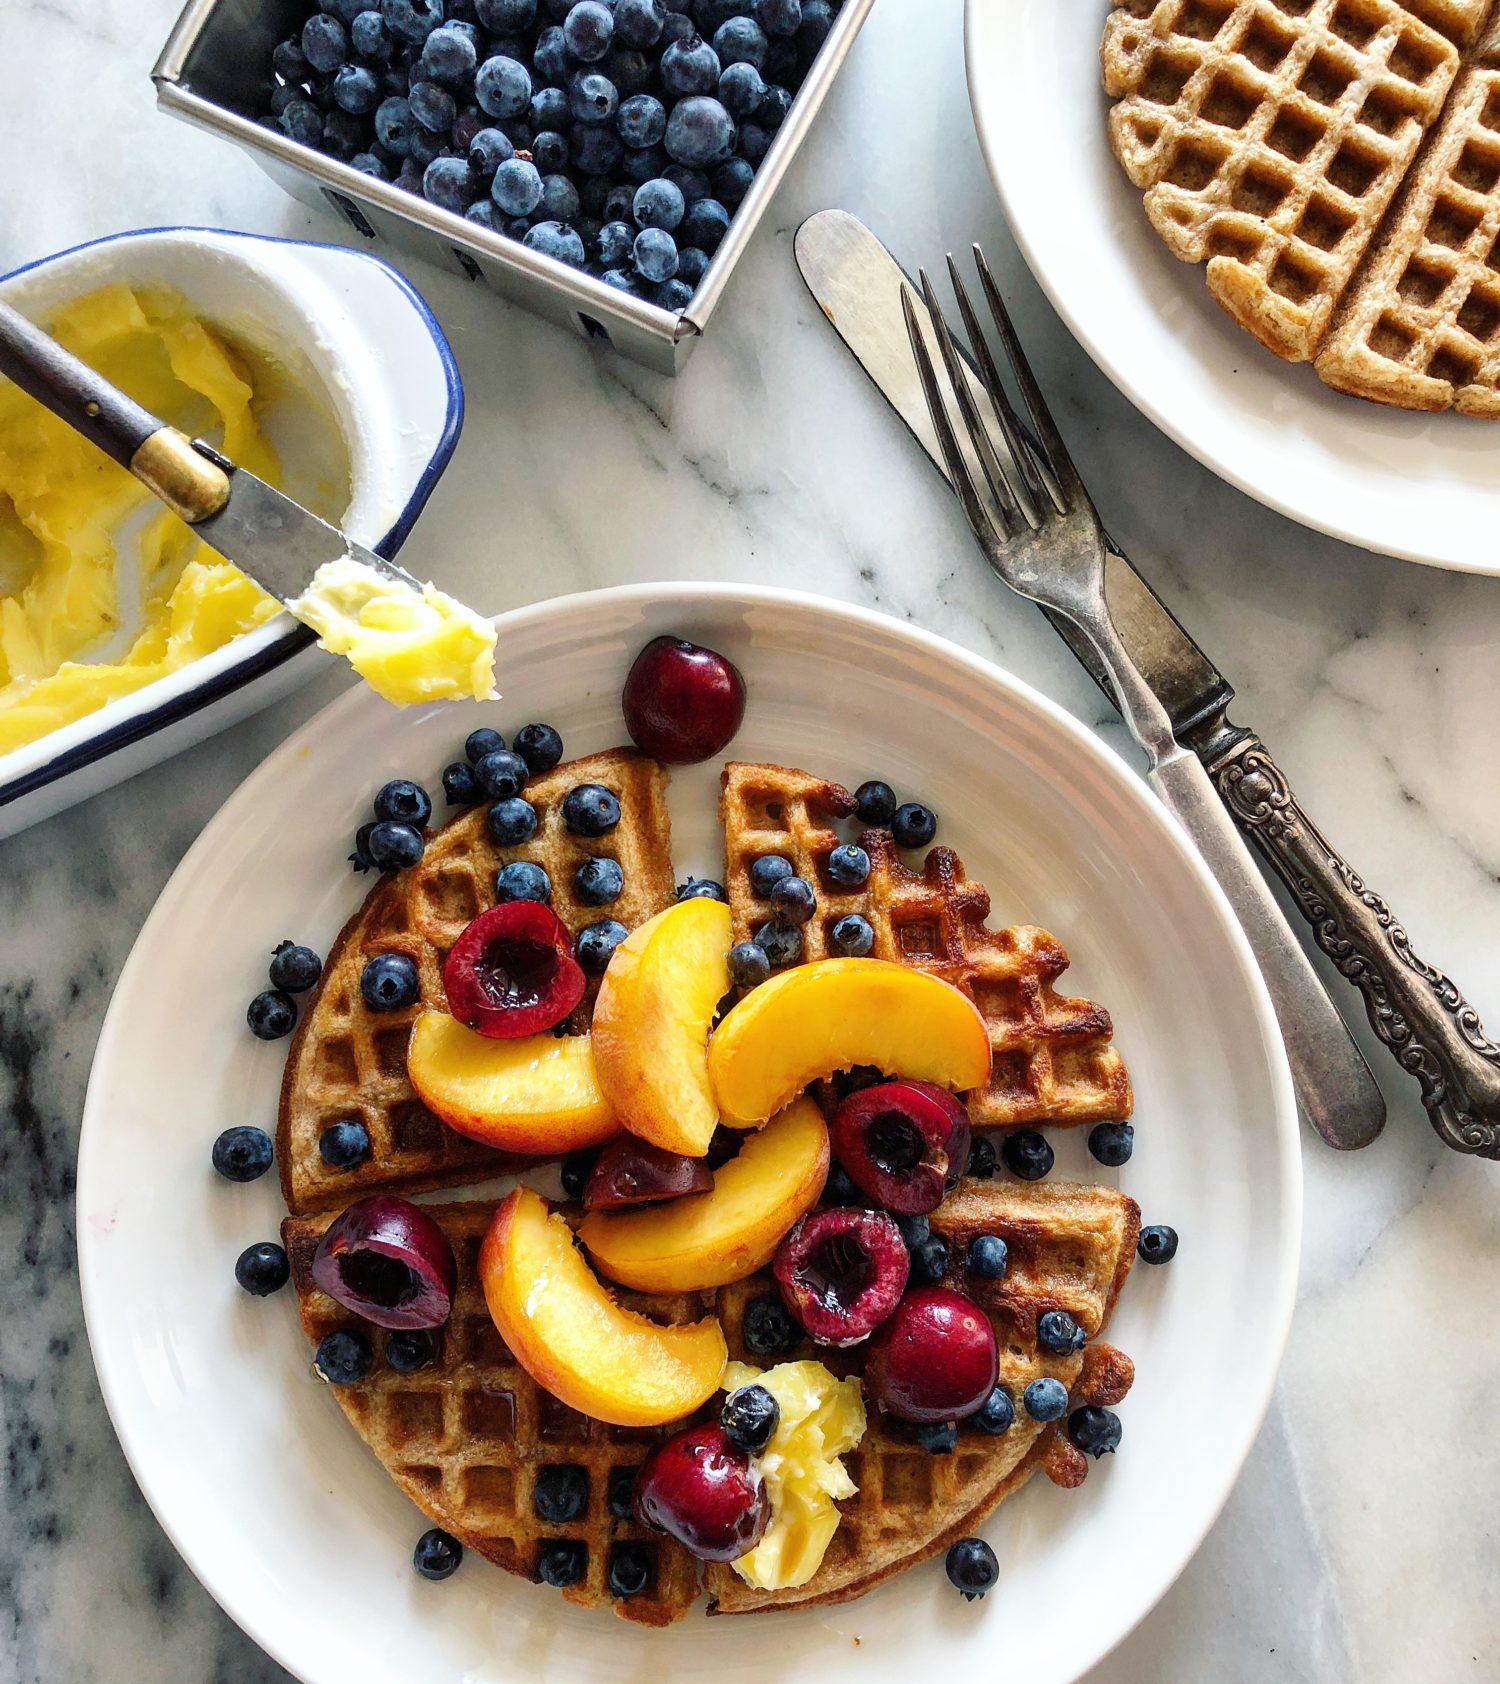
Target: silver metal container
215	72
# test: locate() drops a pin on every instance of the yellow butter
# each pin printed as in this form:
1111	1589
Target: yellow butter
821	1419
63	505
410	646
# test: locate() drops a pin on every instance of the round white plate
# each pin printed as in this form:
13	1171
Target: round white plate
249	1463
1422	487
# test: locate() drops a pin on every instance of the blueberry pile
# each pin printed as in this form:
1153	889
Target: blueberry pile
617	136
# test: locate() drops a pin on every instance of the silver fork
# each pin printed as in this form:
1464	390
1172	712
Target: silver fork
1039	531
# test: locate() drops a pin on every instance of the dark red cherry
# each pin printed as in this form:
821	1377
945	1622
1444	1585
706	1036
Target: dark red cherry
631	1171
904	1144
386	1259
842	1272
704	1492
512	971
682	702
935	1359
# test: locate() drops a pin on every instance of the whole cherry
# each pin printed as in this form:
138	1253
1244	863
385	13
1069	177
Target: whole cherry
682	702
935	1359
704	1492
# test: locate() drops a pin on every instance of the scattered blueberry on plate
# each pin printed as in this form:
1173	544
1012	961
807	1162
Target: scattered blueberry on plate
437	1555
242	1154
972	1567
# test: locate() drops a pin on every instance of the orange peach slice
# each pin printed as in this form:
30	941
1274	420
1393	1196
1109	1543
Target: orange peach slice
539	1094
709	1239
571	1337
810	1021
651	1023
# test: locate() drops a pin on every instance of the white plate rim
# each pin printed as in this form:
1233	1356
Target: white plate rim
1289	1191
1098	347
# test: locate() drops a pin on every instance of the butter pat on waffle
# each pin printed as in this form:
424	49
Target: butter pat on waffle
1054	1057
1281	141
348	1062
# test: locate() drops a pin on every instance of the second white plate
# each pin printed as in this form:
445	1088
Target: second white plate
1422	487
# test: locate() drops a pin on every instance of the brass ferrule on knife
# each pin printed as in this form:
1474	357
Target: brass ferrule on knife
188	482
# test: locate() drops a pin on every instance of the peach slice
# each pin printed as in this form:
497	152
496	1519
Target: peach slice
810	1021
709	1239
571	1337
651	1023
537	1094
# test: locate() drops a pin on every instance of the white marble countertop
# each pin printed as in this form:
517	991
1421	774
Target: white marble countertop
1359	1543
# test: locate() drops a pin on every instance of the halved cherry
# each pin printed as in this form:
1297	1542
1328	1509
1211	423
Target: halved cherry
842	1272
512	971
631	1171
386	1259
904	1144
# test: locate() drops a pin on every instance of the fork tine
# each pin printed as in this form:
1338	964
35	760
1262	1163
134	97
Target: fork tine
1005	494
958	470
1023	453
1056	452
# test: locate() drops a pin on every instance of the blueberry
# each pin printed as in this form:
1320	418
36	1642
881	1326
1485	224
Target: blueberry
638	23
483	214
437	1555
782	942
622	280
774	109
290	62
502	86
271	1015
914	1230
344	1145
356	89
592	97
875	803
393	847
767	872
629	1569
779	17
449	56
817	20
303	122
741	90
690	66
425	146
368	164
563	1562
794	900
982	1159
503	773
630	71
412	20
559	197
549	109
641	120
1112	1143
654	255
615	241
550	56
360	858
595	150
849	866
590	810
692	266
388	982
929	1261
938	1438
659	204
731	181
1157	1244
393	126
325	42
460	786
622	1493
596	942
521	880
539	746
709	14
294	969
852	937
769	1329
561	1493
754	142
971	1567
838	1189
988	1256
242	1153
589	30
344	1356
741	41
403	801
749	1418
1045	1399
699	132
575	1173
488	150
480	743
502	15
748	964
432	106
555	240
997	1413
782	67
1026	1154
598	881
262	1269
408	1349
1096	1432
1057	1331
692	184
914	825
701	888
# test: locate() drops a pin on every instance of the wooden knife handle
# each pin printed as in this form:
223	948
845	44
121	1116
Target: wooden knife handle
1417	1011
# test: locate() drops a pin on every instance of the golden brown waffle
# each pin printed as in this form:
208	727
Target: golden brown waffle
349	1062
466	1436
1054	1059
1279	140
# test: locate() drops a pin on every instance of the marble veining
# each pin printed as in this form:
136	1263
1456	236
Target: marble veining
1358	1546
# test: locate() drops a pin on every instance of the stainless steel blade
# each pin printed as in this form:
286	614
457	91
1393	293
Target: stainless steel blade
857	285
278	542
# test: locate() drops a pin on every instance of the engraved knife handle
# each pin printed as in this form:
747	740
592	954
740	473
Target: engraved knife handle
1432	1031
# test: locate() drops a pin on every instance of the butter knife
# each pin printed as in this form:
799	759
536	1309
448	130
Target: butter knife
1415	1010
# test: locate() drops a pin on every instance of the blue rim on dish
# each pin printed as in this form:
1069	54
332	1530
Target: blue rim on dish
296	637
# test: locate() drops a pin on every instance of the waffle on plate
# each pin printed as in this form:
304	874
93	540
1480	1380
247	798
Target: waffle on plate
1336	165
